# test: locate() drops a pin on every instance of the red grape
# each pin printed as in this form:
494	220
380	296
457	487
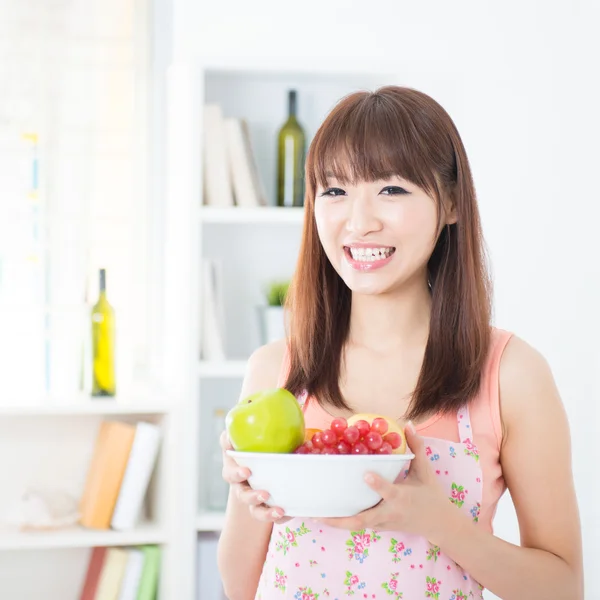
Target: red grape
363	427
373	440
351	435
302	450
394	439
329	450
379	425
317	440
359	448
385	448
338	426
343	447
328	437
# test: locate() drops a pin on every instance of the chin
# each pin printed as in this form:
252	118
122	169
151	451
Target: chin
367	288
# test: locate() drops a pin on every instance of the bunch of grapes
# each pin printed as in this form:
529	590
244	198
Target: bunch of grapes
360	438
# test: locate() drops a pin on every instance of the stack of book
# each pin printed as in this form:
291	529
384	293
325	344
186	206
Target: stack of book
122	574
119	474
231	176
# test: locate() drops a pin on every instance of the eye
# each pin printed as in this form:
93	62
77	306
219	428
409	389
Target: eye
393	190
332	192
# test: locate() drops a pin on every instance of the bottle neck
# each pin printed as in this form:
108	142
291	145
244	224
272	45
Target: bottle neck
292	105
102	282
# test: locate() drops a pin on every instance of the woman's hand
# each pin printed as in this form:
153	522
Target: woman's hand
237	478
416	505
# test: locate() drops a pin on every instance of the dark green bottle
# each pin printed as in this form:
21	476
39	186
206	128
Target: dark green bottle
290	158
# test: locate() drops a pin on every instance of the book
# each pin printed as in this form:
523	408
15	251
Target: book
211	306
140	465
112	574
217	180
247	188
133	575
150	573
105	475
92	576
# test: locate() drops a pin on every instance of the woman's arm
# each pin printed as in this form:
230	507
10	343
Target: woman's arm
536	463
244	540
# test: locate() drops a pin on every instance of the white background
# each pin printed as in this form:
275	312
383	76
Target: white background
521	82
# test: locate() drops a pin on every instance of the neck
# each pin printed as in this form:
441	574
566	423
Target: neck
392	321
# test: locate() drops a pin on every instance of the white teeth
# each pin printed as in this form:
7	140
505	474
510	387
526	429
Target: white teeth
370	254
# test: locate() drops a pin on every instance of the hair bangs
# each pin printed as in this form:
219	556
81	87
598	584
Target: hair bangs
368	139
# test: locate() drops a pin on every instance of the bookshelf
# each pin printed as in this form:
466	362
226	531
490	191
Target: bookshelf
79	537
225	368
257	216
253	244
210	521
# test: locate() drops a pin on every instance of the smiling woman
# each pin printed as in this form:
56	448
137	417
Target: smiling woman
391	315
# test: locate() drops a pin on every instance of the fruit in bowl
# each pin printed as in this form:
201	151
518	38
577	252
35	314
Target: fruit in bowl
361	434
313	472
267	421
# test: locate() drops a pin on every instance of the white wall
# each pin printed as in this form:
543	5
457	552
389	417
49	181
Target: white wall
520	80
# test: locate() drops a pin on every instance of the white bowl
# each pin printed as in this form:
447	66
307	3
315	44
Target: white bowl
320	485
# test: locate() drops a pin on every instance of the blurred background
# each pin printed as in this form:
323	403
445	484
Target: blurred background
150	221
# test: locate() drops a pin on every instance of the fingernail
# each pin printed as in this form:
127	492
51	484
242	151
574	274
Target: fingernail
277	514
369	478
261	498
242	473
411	426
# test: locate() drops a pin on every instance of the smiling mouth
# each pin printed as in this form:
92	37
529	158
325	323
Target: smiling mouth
369	254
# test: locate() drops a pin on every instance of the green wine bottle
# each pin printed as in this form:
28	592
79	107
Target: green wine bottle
103	344
290	158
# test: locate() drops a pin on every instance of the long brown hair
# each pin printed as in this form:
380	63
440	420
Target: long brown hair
370	136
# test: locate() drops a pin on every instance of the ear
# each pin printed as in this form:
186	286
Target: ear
450	216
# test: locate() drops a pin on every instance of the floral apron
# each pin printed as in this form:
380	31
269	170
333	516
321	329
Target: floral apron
307	560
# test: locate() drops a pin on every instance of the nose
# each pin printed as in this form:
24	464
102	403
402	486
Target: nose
363	218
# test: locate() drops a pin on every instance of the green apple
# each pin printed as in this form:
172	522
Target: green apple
267	421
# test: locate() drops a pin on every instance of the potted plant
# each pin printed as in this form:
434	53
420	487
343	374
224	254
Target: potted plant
272	319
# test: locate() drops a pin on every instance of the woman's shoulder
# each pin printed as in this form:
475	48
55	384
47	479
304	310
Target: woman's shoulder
266	362
526	384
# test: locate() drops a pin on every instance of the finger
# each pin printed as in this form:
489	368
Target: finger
251	497
386	489
224	441
415	442
233	473
269	514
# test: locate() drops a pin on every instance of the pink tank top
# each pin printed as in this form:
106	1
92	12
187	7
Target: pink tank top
307	560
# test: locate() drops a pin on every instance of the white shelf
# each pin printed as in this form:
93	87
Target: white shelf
210	521
78	537
86	407
260	214
228	368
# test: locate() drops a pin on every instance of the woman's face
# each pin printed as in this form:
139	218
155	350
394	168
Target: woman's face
378	235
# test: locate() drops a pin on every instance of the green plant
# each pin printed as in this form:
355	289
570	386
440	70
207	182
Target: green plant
276	292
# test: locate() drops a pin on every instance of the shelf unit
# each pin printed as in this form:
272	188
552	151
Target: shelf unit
210	521
222	369
259	216
78	537
253	245
85	407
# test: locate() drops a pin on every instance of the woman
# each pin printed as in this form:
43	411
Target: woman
391	314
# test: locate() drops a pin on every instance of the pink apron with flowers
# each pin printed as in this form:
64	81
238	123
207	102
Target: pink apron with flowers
307	560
